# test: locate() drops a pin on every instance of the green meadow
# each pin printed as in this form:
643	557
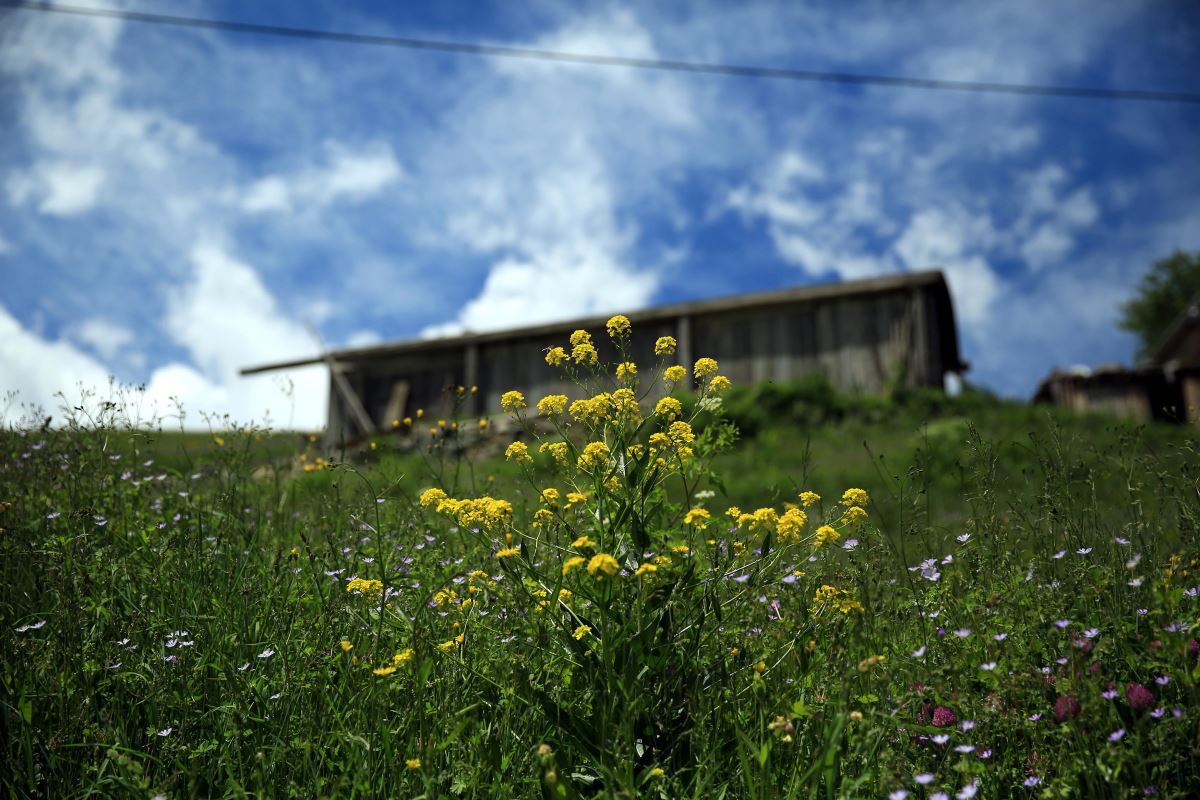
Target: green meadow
747	592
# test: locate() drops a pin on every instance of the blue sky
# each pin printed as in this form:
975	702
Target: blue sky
176	204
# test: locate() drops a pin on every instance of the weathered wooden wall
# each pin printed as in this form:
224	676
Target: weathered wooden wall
860	338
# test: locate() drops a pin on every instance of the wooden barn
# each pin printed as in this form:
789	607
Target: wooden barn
862	335
1165	387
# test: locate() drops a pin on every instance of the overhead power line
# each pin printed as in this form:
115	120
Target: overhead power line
533	54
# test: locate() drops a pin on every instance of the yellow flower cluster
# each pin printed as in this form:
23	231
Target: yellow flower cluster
581	631
579	337
483	512
446	647
582	349
674	374
855	497
508	552
854	515
550	496
618	326
791	524
832	597
594	410
519	452
763	519
557	450
367	587
575	499
543	518
697	517
572	563
705	367
626	371
719	383
669	408
825	534
594	455
665	346
808	498
512	401
603	562
678	439
556	356
552	404
582	542
646	569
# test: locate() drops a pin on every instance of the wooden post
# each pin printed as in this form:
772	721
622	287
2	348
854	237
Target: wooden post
471	377
349	397
683	338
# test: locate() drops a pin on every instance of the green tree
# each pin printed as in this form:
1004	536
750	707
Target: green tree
1164	292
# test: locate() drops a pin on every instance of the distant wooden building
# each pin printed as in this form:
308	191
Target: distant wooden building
1165	387
862	335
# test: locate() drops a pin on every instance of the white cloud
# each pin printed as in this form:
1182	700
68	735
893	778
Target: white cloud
61	188
38	369
104	336
953	240
350	174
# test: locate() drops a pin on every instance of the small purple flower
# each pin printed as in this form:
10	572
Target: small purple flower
939	796
1000	637
165	732
1120	540
1032	781
941	738
1163	680
1117	735
898	794
1065	709
962	538
962	633
924	779
1138	696
1159	712
988	666
919	652
266	653
1109	694
1062	623
968	725
1035	717
943	717
964	748
1083	551
1059	554
967	792
986	754
1091	633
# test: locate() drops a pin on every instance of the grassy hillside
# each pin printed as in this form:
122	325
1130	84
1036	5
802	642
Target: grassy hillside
916	595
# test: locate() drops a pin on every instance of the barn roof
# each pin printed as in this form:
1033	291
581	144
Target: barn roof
931	279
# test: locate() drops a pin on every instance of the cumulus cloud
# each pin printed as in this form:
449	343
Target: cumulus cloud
347	174
103	336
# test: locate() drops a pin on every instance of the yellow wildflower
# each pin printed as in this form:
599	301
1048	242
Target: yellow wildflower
582	542
618	326
825	534
585	354
402	657
698	517
431	496
765	519
543	518
646	569
580	337
664	346
519	452
512	401
575	498
366	587
657	772
483	423
582	631
668	407
808	498
674	374
603	562
854	515
345	645
420	413
556	356
508	552
408	422
557	450
681	548
413	763
663	561
733	512
595	455
719	383
790	525
552	404
625	406
626	371
855	497
704	367
383	672
572	563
